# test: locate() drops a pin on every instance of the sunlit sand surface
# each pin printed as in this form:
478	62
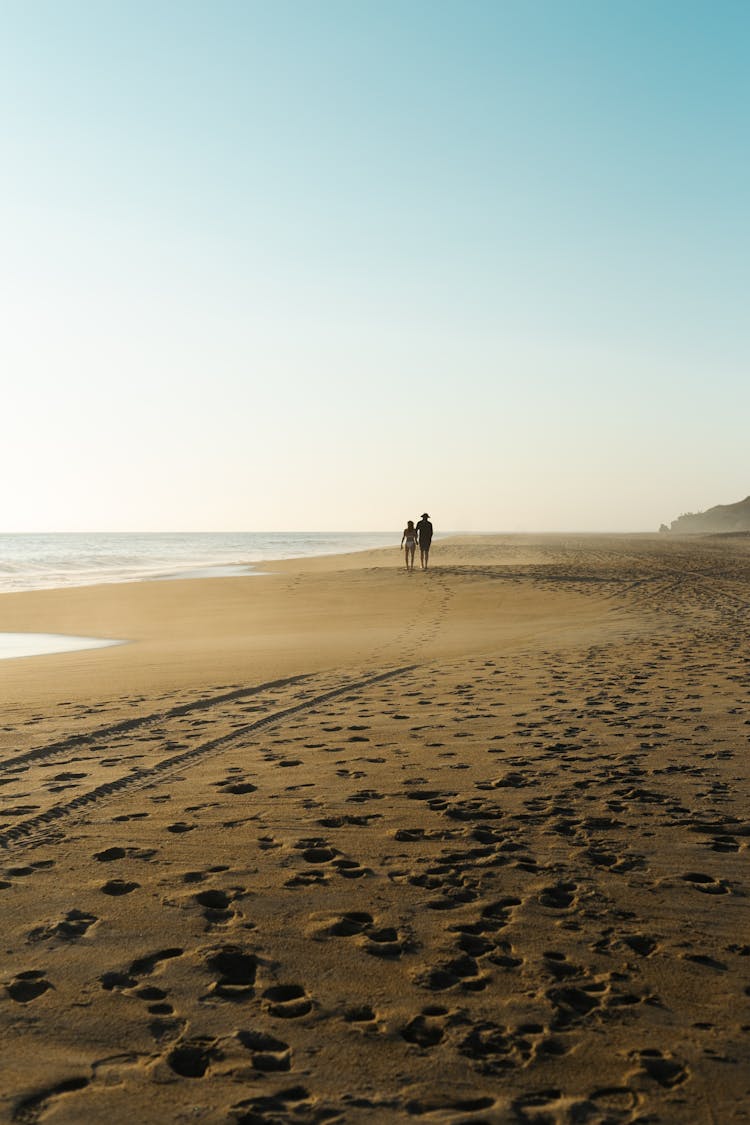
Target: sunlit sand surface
342	844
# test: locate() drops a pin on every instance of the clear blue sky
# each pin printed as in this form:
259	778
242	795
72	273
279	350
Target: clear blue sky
325	265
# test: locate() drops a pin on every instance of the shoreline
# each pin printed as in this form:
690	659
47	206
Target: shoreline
300	614
268	547
194	570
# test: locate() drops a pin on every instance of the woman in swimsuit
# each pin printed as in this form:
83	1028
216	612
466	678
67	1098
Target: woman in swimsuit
410	539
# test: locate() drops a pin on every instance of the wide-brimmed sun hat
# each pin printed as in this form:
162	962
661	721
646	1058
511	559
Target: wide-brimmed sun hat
425	515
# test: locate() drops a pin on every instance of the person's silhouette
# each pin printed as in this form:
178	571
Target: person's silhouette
424	534
410	539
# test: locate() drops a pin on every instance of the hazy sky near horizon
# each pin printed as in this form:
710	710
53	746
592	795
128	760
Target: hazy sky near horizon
327	264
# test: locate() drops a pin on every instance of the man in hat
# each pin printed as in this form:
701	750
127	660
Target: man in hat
424	534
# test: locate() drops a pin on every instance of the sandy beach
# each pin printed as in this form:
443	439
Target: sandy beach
340	844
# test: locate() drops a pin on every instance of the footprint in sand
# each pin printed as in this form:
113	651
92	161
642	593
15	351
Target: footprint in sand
723	843
558	967
384	942
307	879
440	1104
268	1053
365	795
118	887
351	868
192	1058
706	961
290	1104
31	1109
497	915
559	897
495	1048
316	851
668	1071
574	1003
380	941
156	998
351	924
111	854
319	852
343	821
360	1014
236	786
214	901
144	966
28	986
641	944
115	980
427	1029
287	1001
235	971
73	925
706	884
164	1029
463	971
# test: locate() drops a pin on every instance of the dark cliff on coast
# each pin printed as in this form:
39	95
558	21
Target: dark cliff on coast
722	518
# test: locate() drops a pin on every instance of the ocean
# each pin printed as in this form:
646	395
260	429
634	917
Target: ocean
42	562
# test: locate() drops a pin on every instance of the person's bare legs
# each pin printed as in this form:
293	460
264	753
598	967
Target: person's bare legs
424	556
410	558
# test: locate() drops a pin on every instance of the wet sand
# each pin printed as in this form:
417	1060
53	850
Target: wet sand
341	844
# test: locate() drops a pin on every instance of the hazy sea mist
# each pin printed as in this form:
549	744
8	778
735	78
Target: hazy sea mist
38	562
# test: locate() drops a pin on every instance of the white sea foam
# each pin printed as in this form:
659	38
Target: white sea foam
38	562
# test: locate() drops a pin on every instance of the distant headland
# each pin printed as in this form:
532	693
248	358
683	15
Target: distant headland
724	518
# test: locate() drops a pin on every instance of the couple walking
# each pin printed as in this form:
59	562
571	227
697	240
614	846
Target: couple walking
422	533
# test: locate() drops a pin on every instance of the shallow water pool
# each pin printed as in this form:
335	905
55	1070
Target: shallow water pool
43	644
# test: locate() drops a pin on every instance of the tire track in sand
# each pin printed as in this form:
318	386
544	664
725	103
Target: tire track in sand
27	831
124	726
